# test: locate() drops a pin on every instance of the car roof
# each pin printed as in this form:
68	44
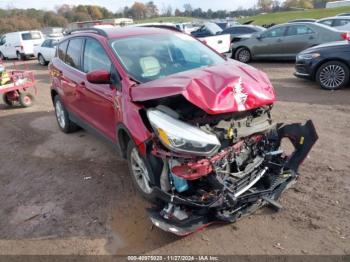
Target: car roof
121	32
311	24
335	17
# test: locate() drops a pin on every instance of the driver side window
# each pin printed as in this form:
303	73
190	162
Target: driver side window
3	40
277	32
95	57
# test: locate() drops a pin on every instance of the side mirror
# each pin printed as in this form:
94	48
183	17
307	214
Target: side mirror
258	36
99	77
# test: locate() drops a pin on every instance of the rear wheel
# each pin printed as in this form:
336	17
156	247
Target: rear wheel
243	55
7	100
65	124
25	99
333	75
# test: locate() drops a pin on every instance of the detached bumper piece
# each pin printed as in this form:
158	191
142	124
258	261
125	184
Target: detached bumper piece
214	198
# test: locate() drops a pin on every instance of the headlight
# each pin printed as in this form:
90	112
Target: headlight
181	137
308	56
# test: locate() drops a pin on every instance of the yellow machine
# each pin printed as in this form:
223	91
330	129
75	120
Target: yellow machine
4	76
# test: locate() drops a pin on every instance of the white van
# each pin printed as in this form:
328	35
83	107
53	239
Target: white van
20	45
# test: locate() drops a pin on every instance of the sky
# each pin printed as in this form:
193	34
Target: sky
115	5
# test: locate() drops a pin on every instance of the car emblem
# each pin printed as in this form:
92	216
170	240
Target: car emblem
239	95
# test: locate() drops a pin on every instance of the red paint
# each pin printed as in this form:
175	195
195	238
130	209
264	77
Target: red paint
99	77
213	88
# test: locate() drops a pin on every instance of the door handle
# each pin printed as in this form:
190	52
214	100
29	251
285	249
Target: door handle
279	40
82	84
311	37
220	42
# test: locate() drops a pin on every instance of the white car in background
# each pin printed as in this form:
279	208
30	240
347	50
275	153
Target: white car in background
20	45
337	22
46	51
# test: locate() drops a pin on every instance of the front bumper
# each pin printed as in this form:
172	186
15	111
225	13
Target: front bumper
306	68
245	205
228	206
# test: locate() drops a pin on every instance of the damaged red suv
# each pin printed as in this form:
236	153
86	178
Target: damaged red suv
195	127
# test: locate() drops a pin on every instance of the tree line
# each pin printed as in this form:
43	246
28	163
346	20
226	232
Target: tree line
25	19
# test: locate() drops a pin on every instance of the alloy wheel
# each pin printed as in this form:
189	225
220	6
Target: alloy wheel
61	118
140	172
332	76
244	56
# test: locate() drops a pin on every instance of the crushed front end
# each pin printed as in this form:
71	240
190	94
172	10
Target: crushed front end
218	168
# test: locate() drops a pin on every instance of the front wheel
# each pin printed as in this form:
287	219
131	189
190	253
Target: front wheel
243	55
7	99
65	124
333	75
140	173
42	60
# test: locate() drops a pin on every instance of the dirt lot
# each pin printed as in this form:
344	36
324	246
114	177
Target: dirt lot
71	194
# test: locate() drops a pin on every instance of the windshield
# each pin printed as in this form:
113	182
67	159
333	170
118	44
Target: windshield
31	36
150	57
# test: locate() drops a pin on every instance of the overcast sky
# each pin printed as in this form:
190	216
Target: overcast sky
115	5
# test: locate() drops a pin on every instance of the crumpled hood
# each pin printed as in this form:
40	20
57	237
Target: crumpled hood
223	88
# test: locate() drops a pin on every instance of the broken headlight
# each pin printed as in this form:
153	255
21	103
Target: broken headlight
181	137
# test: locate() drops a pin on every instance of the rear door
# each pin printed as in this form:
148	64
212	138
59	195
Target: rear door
98	99
270	44
72	76
297	39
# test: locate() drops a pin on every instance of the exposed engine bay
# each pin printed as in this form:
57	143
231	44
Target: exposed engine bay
219	167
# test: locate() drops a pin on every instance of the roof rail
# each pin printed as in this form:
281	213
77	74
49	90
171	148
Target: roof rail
169	27
98	31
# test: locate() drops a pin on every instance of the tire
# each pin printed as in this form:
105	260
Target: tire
333	75
7	101
140	178
62	117
26	99
42	60
2	57
20	57
243	55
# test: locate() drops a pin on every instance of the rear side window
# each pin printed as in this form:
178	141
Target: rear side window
326	22
341	22
299	30
62	48
95	57
74	52
31	36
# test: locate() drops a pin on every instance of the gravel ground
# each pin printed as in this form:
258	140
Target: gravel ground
71	194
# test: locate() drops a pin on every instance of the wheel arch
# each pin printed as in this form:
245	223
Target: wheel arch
53	94
123	138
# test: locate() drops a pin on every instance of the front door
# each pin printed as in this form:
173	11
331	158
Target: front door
270	43
98	99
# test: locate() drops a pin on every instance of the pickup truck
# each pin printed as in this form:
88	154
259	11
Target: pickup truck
211	34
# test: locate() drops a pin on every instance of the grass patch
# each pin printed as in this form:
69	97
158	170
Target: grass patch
282	17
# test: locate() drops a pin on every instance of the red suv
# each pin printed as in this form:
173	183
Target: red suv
195	127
